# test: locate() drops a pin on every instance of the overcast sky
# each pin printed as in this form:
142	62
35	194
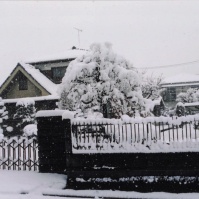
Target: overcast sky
148	33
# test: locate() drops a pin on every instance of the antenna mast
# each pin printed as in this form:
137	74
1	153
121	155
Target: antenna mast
78	30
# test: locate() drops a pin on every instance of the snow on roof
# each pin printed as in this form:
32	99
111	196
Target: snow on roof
181	78
179	84
40	78
69	54
40	98
50	113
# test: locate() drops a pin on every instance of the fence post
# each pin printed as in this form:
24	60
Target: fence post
52	141
67	116
67	128
68	145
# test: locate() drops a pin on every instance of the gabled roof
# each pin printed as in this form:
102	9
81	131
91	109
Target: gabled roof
181	80
34	75
66	55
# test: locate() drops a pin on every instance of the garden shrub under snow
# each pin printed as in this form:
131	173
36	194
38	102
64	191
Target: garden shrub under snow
25	112
3	117
102	81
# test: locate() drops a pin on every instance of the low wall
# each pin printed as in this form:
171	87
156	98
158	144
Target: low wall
53	143
173	172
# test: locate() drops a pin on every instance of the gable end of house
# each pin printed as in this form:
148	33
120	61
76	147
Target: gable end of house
21	84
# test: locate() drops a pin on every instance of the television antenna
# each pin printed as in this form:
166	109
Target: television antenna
78	30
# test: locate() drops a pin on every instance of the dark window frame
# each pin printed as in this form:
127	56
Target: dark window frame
23	81
170	94
58	73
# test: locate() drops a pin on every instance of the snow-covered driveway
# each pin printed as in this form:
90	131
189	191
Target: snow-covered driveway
33	185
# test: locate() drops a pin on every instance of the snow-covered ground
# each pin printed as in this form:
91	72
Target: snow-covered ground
33	185
28	184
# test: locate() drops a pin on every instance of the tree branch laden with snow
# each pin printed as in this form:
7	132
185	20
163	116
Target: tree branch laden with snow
151	86
101	79
25	112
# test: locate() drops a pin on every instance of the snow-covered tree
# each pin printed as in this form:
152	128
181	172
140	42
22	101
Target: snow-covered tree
192	95
25	112
151	86
3	117
101	80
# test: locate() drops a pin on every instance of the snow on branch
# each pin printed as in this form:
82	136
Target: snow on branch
102	79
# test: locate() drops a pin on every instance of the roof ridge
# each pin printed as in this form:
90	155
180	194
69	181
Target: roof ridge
61	55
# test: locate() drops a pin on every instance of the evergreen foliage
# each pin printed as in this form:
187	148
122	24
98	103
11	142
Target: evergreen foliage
25	113
3	117
102	80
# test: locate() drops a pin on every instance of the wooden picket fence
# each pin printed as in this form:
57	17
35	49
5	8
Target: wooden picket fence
19	153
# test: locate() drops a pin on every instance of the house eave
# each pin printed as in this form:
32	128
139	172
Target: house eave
179	84
39	98
50	61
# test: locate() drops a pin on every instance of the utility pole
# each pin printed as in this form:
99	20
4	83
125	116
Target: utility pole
78	30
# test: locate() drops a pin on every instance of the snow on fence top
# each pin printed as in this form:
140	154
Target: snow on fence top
50	113
138	120
124	119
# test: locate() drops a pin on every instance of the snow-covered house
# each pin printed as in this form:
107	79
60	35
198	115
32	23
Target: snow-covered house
37	79
176	84
26	81
54	66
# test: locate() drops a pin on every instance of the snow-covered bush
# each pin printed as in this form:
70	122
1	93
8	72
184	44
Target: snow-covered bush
180	109
3	117
102	81
25	112
30	130
192	95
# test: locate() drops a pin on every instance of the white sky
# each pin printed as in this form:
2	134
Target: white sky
148	33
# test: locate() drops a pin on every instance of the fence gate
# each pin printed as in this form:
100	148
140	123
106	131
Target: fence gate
19	153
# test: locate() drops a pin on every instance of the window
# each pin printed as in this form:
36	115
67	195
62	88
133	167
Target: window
170	94
23	82
195	86
58	73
